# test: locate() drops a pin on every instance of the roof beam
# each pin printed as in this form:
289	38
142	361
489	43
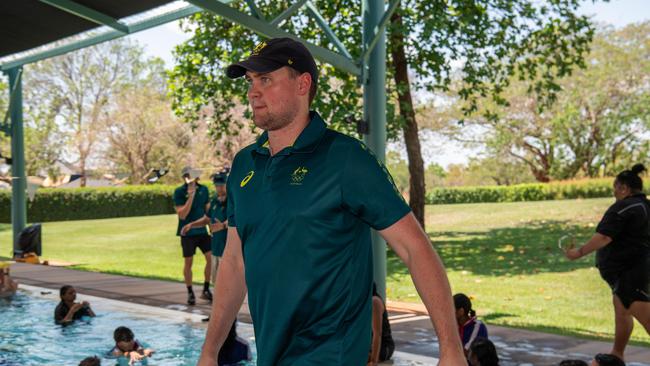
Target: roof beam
270	31
102	37
254	9
287	13
379	30
87	13
322	23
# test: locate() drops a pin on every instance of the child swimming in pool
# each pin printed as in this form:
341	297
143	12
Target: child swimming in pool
127	349
8	286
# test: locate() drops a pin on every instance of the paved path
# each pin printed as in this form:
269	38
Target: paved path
411	328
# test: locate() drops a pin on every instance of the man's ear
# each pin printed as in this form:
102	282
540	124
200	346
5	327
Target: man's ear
304	83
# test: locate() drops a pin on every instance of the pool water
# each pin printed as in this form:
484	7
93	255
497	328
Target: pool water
28	335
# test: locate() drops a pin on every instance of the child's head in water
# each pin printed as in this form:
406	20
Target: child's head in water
124	339
464	310
127	346
90	361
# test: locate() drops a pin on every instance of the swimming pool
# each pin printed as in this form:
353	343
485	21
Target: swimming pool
28	335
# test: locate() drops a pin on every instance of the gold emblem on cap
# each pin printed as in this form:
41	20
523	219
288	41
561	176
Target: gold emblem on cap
290	62
258	48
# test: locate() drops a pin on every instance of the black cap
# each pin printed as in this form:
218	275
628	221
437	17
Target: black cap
273	54
221	177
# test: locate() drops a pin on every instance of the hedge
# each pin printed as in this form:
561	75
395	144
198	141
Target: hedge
61	204
588	188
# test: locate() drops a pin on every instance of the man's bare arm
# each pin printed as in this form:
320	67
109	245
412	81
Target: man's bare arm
229	293
412	245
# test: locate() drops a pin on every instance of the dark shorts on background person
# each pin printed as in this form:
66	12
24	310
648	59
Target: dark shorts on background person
630	285
190	243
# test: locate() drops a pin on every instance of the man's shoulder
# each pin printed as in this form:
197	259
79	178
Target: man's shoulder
339	142
180	189
244	154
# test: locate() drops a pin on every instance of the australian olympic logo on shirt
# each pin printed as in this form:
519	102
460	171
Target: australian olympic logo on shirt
298	175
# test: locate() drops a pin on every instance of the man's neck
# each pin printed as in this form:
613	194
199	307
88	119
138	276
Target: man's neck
287	135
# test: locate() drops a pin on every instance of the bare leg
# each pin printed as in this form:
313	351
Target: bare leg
187	271
624	326
208	266
641	311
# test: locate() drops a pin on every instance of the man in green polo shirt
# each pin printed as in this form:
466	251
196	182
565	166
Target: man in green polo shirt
191	201
301	203
216	217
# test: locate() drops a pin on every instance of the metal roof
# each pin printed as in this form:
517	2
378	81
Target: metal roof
26	24
33	30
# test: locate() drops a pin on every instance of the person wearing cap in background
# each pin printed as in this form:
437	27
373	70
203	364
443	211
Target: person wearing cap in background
301	202
216	218
191	201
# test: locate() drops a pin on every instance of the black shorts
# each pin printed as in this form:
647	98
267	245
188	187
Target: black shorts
190	243
386	350
630	285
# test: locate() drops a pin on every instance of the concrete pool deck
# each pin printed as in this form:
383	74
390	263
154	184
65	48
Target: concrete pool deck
412	329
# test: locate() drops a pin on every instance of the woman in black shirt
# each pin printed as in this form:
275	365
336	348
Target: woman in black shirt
622	245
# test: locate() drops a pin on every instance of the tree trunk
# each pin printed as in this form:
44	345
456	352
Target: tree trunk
407	111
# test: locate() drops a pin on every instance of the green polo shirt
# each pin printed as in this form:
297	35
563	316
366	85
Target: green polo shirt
304	218
201	198
217	212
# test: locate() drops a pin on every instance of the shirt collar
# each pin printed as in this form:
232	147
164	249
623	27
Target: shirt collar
306	142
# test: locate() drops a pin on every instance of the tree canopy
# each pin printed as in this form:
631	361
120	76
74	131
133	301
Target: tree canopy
486	42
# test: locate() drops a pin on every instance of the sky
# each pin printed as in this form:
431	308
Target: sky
160	42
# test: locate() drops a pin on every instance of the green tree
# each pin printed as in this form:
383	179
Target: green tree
43	140
499	170
599	123
492	39
78	88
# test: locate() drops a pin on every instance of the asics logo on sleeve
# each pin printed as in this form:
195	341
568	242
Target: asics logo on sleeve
247	178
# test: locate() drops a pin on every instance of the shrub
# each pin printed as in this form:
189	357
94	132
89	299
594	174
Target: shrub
586	188
61	204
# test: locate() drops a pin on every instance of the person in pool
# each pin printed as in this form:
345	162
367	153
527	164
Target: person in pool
91	361
8	286
67	311
128	349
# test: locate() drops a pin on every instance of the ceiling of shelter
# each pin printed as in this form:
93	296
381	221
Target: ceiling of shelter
26	24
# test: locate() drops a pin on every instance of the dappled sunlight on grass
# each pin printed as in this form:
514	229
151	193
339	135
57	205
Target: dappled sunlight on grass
530	248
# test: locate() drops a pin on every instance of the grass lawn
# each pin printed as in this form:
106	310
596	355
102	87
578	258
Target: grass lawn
504	256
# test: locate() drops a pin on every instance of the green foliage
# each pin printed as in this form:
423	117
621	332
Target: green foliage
493	39
434	175
198	79
592	188
598	124
63	204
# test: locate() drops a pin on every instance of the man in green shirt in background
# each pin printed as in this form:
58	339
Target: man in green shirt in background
216	217
301	202
191	201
